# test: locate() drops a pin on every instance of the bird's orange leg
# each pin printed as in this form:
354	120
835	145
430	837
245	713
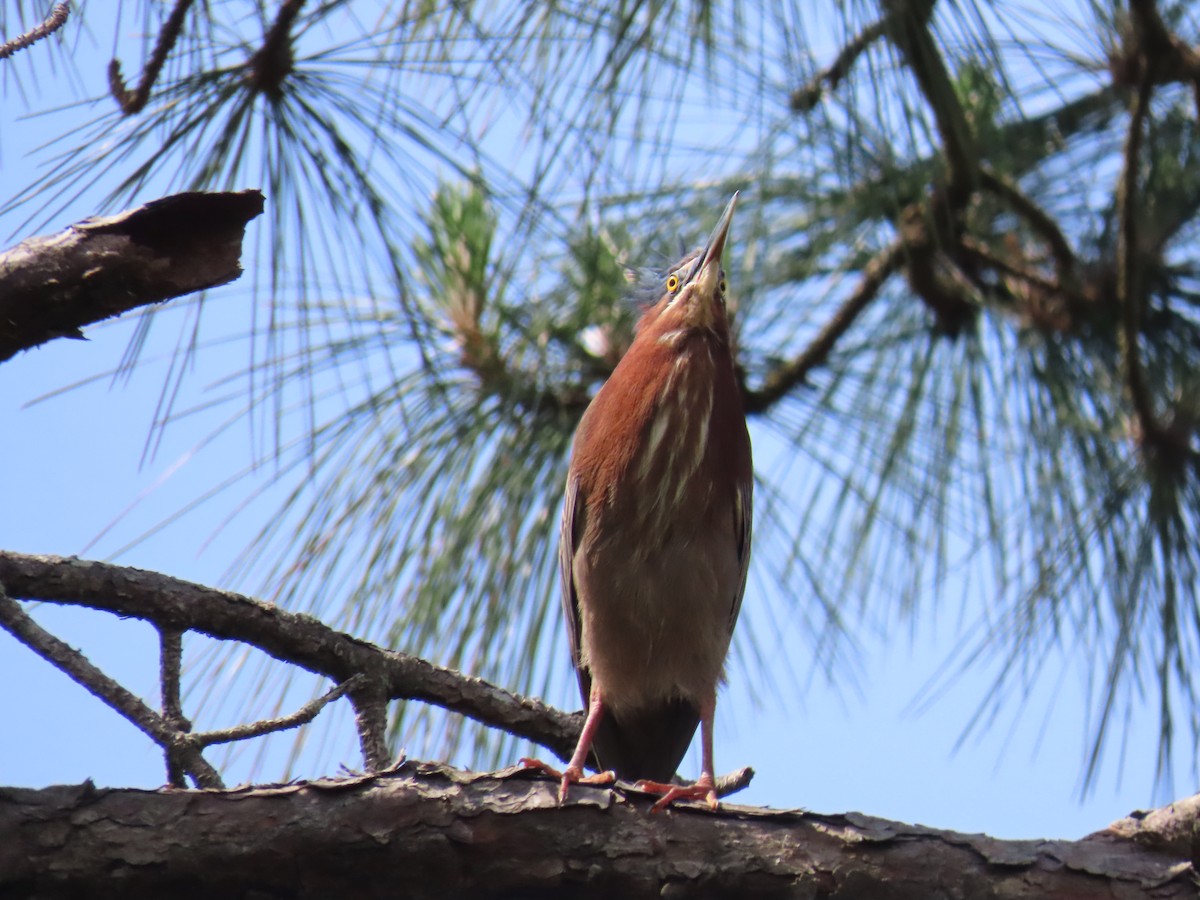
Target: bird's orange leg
703	788
573	773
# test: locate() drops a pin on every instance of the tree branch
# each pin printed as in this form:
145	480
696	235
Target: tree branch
66	659
1171	829
1154	55
302	716
52	286
290	637
132	102
805	98
1165	444
175	606
54	21
908	28
430	831
781	380
273	62
170	668
370	699
1037	218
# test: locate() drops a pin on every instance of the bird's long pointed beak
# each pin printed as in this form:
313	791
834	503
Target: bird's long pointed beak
707	273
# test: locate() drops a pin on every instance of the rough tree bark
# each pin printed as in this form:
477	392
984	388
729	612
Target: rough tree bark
430	831
52	286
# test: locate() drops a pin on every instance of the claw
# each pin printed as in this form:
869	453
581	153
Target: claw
568	776
702	789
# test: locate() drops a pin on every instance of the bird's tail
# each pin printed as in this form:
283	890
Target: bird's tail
646	743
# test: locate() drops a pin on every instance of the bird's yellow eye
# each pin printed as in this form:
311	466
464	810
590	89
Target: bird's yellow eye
722	285
672	283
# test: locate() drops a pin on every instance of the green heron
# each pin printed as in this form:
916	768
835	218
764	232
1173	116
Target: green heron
655	538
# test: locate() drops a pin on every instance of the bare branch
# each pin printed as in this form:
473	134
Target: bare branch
290	637
734	781
17	622
370	717
302	716
805	98
170	658
375	675
52	286
170	666
132	102
54	21
790	374
1172	829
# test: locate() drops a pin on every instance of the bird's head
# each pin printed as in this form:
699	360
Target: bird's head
693	292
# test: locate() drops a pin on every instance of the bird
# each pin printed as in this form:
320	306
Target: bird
655	538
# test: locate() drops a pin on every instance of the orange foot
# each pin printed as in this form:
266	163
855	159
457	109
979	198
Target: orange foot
702	789
570	775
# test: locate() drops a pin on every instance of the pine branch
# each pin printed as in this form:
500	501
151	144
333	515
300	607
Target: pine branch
132	102
908	28
784	378
1155	55
53	22
805	98
1166	444
179	749
1037	218
52	286
428	831
301	640
273	61
301	716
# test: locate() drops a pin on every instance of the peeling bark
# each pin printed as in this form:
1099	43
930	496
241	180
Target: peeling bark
430	831
52	286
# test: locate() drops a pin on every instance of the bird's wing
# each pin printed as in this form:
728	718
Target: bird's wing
743	523
569	535
646	743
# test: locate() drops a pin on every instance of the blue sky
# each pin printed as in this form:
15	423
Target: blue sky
847	741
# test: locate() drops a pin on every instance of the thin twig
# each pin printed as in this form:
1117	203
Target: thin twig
787	376
302	716
1037	218
132	102
170	666
54	21
805	98
70	661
